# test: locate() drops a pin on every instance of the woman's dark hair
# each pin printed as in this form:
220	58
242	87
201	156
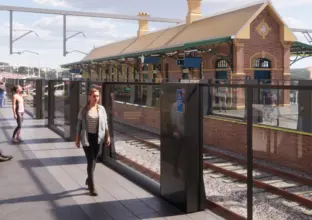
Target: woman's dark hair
14	89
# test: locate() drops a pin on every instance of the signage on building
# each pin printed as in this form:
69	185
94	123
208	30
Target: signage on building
74	70
179	101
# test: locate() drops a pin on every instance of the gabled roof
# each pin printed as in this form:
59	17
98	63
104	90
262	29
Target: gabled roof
220	25
226	25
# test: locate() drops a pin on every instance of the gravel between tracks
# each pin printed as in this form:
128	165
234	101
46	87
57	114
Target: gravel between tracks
262	162
228	194
146	157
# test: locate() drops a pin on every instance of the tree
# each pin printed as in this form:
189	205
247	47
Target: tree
22	69
42	73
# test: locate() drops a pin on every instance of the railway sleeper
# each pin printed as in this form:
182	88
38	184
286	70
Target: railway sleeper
224	165
216	161
306	211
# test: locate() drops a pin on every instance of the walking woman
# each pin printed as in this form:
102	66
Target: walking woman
92	132
18	111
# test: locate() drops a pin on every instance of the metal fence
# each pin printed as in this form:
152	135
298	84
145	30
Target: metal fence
251	119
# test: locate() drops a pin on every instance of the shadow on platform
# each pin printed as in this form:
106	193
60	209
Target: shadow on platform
54	161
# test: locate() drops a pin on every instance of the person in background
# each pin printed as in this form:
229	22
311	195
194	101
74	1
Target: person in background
2	94
92	132
222	93
18	111
4	158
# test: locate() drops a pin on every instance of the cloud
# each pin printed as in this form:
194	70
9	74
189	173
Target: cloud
95	4
50	28
76	24
288	4
50	42
217	5
103	31
277	3
294	23
61	3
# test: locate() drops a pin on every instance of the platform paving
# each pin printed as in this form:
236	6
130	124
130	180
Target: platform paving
45	180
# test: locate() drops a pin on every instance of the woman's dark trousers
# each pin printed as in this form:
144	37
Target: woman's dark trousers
19	121
92	153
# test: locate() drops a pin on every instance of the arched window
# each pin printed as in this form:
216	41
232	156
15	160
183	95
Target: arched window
221	72
262	63
145	67
221	64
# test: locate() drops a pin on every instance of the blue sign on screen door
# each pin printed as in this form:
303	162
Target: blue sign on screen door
180	94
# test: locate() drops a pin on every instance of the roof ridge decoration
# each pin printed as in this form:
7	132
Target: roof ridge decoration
144	14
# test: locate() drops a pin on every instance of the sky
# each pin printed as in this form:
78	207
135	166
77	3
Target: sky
100	31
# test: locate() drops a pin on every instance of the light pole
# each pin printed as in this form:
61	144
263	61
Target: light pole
20	37
65	38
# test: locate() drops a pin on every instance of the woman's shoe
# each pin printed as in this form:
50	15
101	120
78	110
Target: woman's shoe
3	159
15	141
93	192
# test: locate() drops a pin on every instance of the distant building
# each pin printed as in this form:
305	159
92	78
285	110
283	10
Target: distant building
5	67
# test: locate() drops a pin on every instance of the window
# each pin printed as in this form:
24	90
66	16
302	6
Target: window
262	63
157	67
221	64
145	67
119	70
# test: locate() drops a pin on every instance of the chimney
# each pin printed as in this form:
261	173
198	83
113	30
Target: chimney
194	11
143	24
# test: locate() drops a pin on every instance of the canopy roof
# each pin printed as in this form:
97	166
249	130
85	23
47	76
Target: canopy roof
301	48
206	31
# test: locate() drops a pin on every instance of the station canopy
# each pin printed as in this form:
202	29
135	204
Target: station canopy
301	48
212	30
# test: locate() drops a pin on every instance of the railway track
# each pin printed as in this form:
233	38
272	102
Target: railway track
294	191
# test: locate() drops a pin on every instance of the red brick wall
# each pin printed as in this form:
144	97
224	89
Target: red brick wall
277	146
271	44
286	148
137	115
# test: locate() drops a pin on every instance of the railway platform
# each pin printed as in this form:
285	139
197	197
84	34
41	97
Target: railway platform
45	180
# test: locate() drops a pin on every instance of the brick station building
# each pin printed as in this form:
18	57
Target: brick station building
249	41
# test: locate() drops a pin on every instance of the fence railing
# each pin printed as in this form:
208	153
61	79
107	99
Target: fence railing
267	122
